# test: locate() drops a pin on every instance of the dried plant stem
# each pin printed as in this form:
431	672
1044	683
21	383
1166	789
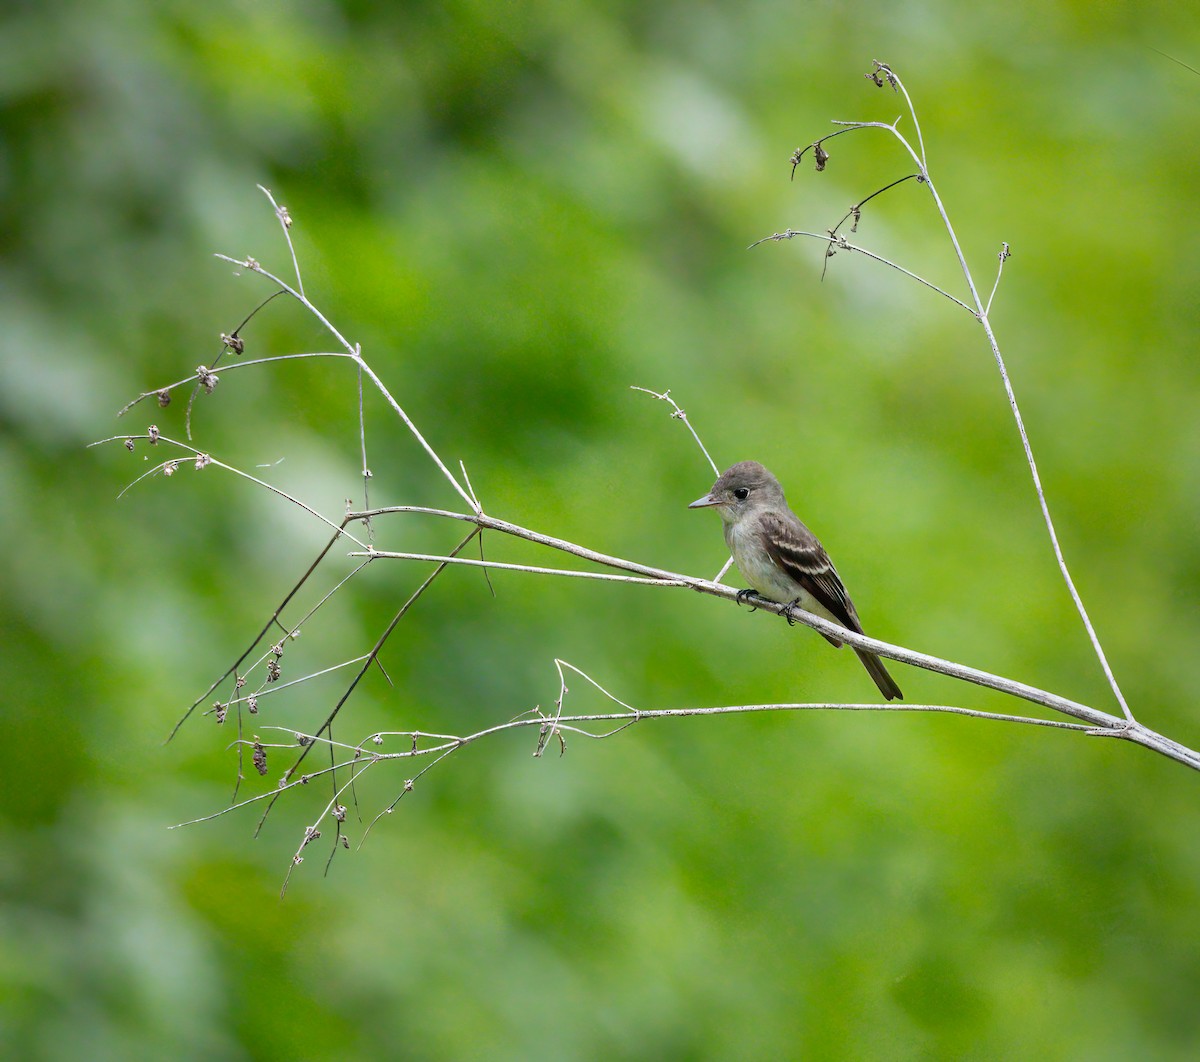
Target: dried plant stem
982	313
679	414
881	75
356	353
842	244
353	760
528	569
1098	721
438	746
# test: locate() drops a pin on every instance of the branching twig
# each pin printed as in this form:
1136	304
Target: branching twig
370	658
1101	721
356	353
1003	257
679	414
348	763
842	244
204	460
882	74
437	747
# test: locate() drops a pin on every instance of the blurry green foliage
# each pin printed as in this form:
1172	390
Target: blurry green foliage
520	210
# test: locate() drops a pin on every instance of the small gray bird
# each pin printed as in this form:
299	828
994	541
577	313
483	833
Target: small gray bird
781	559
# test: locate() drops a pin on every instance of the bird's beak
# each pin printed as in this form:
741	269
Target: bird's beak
705	502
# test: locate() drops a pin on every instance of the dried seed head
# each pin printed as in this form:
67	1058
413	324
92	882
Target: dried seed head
208	379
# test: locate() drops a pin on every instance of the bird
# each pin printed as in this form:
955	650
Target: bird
781	559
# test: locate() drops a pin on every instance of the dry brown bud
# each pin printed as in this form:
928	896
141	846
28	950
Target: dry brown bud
208	379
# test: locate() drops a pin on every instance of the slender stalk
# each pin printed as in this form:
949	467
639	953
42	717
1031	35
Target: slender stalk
1100	722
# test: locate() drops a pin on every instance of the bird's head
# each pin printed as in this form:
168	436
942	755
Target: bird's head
740	488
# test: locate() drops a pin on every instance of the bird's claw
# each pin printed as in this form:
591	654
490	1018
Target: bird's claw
787	612
744	595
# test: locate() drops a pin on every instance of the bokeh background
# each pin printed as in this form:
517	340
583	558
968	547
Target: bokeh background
520	210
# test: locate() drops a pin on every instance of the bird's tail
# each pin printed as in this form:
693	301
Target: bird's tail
885	682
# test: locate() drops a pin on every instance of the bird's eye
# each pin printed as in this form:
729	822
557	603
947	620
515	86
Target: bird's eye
742	493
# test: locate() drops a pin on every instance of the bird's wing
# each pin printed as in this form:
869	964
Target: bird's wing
796	550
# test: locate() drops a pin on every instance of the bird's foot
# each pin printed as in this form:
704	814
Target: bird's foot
787	612
745	595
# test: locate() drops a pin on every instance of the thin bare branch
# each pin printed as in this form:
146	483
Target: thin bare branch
980	311
474	498
1179	61
842	244
362	441
413	598
528	569
1003	257
272	623
450	743
285	223
209	460
1103	722
356	353
228	368
679	414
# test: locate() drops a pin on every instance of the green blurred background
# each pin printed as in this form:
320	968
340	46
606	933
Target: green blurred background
520	210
